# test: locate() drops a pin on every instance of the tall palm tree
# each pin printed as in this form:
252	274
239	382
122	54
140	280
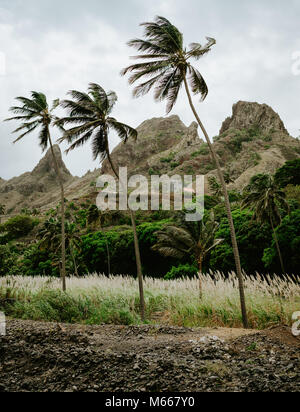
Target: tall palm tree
196	239
265	198
35	113
50	240
167	68
90	113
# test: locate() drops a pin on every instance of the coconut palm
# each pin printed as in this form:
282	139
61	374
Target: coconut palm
35	113
51	241
265	198
196	239
215	187
166	67
91	114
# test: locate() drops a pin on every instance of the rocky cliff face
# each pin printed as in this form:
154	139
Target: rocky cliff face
37	188
246	115
253	140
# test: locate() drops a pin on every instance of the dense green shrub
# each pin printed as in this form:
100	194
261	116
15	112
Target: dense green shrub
252	238
289	174
18	226
118	247
182	271
7	258
37	262
288	234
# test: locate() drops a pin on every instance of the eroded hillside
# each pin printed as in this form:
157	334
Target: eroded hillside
253	140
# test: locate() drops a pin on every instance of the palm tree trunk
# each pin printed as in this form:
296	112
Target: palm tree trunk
277	246
108	256
136	248
74	262
63	234
200	262
228	210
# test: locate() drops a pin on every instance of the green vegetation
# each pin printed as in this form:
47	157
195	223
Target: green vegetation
267	200
90	115
194	240
289	174
256	230
33	114
168	159
98	300
17	227
203	151
162	40
288	236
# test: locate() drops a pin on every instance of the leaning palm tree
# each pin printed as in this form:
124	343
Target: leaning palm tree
196	239
90	113
35	113
166	67
265	198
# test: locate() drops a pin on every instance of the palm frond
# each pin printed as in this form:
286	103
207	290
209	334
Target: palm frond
123	130
81	141
44	137
100	145
197	83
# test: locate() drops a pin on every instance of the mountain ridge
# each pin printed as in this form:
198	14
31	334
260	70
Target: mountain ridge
251	141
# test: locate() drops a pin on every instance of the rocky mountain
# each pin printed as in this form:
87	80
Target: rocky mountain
253	140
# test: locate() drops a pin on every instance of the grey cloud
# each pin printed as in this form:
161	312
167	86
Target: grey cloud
58	45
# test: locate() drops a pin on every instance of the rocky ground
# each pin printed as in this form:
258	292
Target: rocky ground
70	358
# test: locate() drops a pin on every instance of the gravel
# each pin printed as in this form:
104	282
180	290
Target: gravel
42	357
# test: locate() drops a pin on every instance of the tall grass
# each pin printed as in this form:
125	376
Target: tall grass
98	299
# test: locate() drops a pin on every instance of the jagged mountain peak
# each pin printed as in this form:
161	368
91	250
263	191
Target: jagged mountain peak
46	164
246	115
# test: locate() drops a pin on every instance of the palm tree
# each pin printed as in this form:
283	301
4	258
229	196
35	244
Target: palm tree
50	240
2	211
35	113
166	67
265	198
73	242
196	239
215	187
90	113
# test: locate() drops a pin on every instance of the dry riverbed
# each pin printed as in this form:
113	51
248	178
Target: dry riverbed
49	357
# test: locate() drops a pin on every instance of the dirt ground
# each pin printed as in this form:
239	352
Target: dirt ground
47	357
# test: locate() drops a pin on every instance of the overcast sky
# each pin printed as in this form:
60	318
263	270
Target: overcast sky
58	45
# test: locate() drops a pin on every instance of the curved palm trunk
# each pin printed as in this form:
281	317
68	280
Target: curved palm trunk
200	263
228	210
277	246
136	248
63	234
